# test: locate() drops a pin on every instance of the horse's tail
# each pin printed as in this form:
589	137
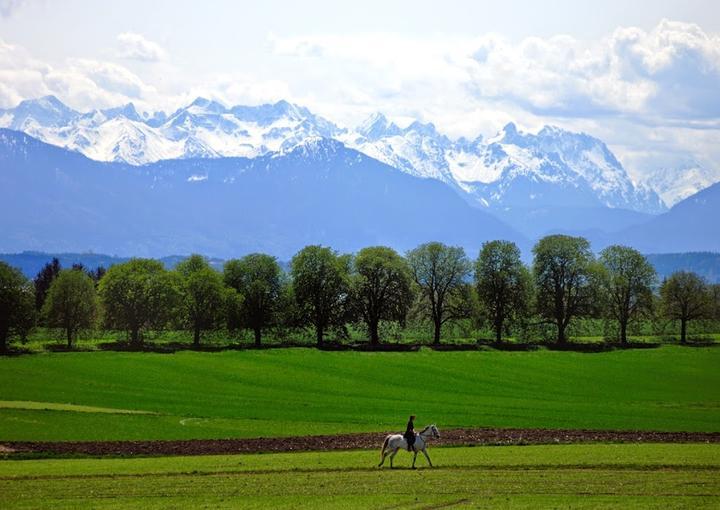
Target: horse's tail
385	443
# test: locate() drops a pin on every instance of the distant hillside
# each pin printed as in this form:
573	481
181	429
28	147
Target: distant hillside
690	226
321	192
30	262
706	264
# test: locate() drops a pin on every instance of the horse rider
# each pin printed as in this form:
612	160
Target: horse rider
410	433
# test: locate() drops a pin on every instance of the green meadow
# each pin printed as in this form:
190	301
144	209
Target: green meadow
286	392
577	476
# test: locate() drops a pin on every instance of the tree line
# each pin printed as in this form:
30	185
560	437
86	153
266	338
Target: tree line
325	291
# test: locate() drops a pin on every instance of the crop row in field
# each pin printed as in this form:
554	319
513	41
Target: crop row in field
612	476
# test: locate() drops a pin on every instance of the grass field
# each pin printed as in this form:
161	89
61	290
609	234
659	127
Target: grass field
610	476
304	391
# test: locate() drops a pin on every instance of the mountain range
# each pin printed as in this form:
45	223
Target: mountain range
518	185
320	192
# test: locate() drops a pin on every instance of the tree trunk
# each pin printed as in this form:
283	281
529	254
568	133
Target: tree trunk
319	334
561	338
258	337
68	332
196	337
683	330
498	331
374	335
623	332
436	336
135	338
3	339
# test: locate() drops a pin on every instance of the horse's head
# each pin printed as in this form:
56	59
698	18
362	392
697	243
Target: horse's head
435	431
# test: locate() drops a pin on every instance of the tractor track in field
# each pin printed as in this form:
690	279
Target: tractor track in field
454	437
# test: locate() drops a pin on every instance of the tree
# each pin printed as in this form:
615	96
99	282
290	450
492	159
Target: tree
43	280
503	283
565	279
257	278
627	283
17	305
714	293
439	271
137	295
202	302
97	274
684	296
71	303
381	288
320	284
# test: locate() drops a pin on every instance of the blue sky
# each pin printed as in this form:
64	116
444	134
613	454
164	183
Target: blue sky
643	76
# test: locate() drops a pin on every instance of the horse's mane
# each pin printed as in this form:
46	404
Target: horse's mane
425	429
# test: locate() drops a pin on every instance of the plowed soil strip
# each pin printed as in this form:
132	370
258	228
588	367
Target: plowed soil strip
455	437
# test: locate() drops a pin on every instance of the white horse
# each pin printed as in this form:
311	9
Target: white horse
394	442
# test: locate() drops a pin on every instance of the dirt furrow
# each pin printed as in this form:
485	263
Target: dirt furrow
454	437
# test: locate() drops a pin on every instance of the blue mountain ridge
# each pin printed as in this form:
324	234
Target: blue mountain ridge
321	192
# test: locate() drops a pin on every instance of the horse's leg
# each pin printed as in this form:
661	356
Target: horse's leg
382	460
392	456
427	456
414	457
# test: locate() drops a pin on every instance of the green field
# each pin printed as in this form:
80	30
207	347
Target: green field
610	476
284	392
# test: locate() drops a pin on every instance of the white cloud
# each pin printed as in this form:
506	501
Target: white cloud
8	7
136	47
671	72
82	83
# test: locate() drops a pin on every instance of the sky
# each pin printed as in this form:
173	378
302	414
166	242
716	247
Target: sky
644	76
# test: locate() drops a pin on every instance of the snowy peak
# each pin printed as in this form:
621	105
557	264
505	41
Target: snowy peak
267	114
426	130
128	111
314	149
205	106
203	128
512	169
377	126
47	111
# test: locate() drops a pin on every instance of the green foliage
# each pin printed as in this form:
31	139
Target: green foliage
43	280
440	272
627	282
685	296
503	284
203	301
71	303
569	294
138	295
321	286
565	280
258	279
381	288
17	305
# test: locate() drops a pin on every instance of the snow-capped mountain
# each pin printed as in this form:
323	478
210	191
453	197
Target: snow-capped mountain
513	169
510	171
205	128
675	184
418	149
